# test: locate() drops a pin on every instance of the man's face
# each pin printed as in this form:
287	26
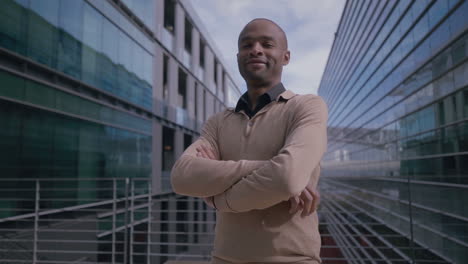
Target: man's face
262	52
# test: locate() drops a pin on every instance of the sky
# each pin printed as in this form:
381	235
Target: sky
310	26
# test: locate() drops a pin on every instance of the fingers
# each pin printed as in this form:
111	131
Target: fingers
294	204
306	196
210	152
205	152
316	198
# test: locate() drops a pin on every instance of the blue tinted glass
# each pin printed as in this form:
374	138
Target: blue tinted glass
71	17
439	37
458	20
47	9
92	28
92	31
13	19
43	33
110	36
437	11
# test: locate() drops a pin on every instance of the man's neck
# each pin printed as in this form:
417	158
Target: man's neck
255	92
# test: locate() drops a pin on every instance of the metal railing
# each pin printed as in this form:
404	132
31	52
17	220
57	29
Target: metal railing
119	220
114	220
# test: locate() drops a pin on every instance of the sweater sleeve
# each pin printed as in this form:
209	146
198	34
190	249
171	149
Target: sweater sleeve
288	173
200	177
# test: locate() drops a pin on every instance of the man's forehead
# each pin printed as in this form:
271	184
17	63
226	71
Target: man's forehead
267	28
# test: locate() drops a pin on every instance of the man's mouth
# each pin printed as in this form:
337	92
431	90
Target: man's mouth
256	64
256	61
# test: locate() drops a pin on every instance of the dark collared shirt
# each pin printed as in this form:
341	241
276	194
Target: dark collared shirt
266	98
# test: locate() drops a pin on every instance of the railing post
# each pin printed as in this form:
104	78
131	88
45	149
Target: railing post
36	221
125	247
114	218
148	249
132	218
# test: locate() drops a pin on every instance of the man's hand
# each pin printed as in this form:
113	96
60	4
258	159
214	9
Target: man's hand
307	201
206	152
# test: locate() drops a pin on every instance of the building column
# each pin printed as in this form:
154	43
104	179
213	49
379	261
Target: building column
191	96
178	143
195	50
173	85
158	72
156	157
179	31
159	18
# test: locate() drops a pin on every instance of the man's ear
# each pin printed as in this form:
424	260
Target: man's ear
286	57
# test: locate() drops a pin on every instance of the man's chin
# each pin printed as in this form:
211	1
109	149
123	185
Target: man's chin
256	75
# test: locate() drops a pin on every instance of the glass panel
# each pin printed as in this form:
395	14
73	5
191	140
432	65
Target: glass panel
13	21
40	94
110	57
70	46
92	32
11	86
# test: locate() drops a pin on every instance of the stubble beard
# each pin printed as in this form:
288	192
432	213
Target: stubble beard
257	77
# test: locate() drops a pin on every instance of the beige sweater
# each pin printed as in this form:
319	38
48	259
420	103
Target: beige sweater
263	162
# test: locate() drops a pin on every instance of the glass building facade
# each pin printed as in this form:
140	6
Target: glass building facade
396	169
98	98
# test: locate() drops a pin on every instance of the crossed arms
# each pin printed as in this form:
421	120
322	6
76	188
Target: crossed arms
244	185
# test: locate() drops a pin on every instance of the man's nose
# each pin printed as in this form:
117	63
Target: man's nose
256	49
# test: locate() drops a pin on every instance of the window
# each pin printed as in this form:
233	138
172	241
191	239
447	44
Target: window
196	100
187	141
204	105
182	91
188	35
202	53
182	226
223	83
70	46
169	15
43	33
110	57
168	149
165	76
195	220
215	71
92	38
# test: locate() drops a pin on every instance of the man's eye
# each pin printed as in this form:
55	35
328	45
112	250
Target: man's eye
268	45
247	45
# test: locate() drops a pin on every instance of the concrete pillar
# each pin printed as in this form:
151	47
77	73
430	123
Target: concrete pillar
159	18
209	69
173	84
178	143
158	70
179	31
219	79
191	95
195	50
199	95
156	157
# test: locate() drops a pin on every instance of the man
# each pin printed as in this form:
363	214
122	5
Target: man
258	164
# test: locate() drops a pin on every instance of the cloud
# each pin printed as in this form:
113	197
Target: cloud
309	25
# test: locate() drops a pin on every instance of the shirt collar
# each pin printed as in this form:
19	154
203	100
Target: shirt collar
271	95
